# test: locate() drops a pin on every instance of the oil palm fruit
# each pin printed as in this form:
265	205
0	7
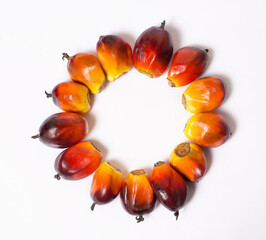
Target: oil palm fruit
207	129
86	69
153	51
170	188
204	95
189	160
137	195
62	130
106	184
115	56
78	161
71	97
187	65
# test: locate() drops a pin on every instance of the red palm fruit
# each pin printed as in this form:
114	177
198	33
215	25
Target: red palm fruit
187	65
169	187
204	95
115	56
137	194
71	97
78	161
189	160
153	51
62	130
207	129
86	69
106	184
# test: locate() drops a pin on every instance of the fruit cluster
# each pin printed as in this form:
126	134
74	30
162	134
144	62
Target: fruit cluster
151	55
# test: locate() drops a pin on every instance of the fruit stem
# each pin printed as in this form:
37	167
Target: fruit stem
48	95
93	206
35	136
57	176
176	214
65	55
139	218
162	24
206	50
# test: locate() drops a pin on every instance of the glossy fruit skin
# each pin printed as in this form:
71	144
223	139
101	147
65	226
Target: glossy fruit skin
204	95
170	188
207	129
86	69
153	51
71	97
106	183
115	56
137	194
189	160
78	161
62	130
187	65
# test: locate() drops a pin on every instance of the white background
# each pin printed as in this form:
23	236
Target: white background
135	121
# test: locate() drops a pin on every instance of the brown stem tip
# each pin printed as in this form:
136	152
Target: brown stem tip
48	95
139	218
162	24
57	176
35	136
176	214
65	55
93	206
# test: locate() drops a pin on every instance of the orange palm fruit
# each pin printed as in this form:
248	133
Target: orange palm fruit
71	97
106	184
153	51
137	195
86	69
187	65
189	160
204	95
170	188
62	130
115	56
207	129
78	161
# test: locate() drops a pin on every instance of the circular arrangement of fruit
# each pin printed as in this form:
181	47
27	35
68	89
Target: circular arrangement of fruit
152	53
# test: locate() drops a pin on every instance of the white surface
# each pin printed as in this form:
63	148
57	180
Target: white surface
135	121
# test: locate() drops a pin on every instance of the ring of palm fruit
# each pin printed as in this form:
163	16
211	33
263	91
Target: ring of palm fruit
151	55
